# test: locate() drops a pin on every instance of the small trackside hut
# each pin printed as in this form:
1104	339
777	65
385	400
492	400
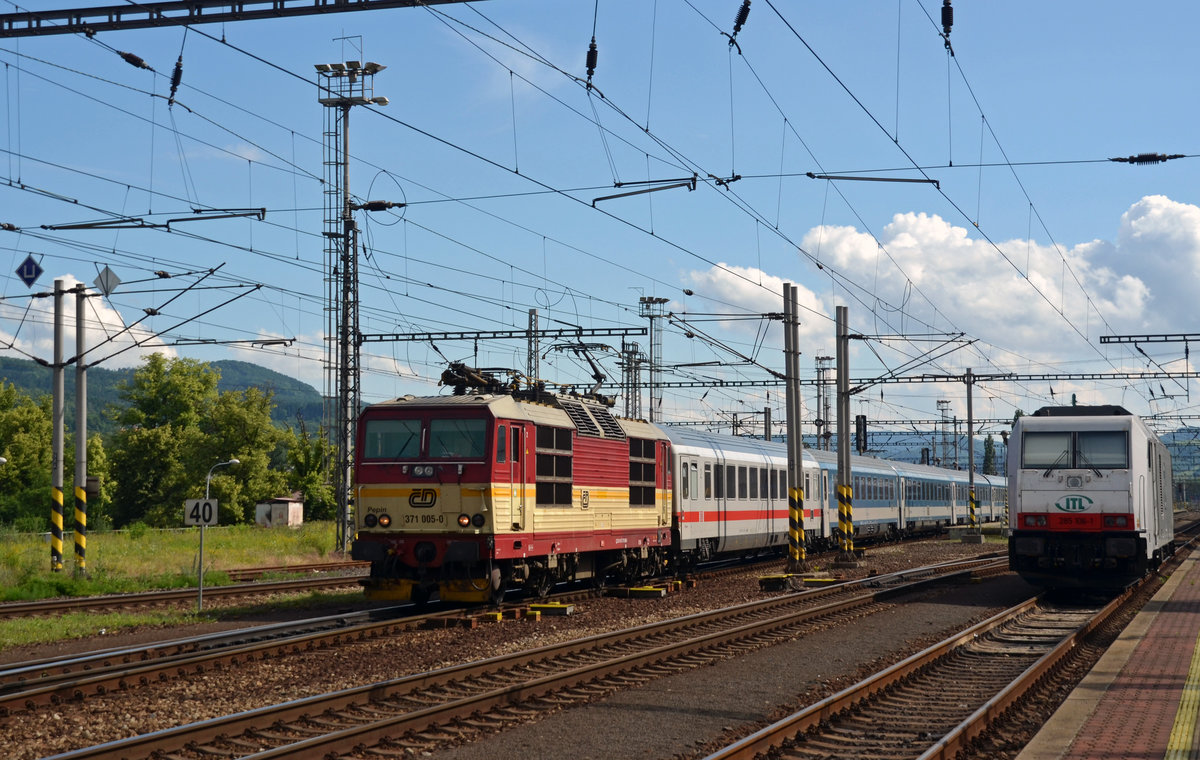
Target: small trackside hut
490	489
1090	498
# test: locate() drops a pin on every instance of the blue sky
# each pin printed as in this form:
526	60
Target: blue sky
1031	244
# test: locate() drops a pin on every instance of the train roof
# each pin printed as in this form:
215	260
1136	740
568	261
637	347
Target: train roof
1099	410
682	437
588	418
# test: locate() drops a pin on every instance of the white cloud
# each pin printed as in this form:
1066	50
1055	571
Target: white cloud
107	341
1027	301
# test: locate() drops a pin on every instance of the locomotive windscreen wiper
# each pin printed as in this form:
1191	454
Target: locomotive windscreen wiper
1083	458
1054	465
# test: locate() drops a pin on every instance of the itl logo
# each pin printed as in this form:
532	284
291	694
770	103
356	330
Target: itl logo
422	497
1073	503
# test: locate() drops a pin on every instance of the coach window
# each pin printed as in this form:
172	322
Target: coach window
501	443
741	474
762	481
684	493
708	481
719	486
731	482
694	478
774	484
753	482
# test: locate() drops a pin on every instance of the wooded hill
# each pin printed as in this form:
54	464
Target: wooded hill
292	397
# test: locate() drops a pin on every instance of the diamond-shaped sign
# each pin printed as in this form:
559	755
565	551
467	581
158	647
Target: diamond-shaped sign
107	281
29	271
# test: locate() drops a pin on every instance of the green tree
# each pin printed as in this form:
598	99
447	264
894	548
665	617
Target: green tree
26	442
306	458
989	455
176	427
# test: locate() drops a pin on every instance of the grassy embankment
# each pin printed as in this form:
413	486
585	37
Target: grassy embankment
143	560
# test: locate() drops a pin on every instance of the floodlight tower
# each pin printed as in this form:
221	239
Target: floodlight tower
340	87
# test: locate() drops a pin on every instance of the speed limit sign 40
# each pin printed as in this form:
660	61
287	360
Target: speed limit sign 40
200	512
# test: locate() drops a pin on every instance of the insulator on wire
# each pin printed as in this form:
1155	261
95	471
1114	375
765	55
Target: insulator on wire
947	22
592	55
742	14
134	60
176	78
740	21
1144	159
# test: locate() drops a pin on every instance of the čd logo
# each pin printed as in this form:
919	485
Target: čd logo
422	497
1073	503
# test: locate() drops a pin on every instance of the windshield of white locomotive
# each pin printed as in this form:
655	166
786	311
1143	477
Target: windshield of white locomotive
1040	450
1107	449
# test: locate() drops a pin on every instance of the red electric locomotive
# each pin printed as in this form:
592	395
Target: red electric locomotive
473	493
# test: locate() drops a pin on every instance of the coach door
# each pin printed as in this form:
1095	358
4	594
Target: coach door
827	504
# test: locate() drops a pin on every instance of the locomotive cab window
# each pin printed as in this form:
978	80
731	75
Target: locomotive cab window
501	443
392	439
1103	448
1084	449
1045	450
457	439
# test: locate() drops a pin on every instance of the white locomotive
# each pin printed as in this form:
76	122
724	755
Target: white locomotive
1090	497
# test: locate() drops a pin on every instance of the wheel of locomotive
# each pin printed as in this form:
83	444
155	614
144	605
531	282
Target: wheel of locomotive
499	587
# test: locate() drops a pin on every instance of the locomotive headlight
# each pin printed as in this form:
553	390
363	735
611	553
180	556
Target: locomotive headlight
371	521
423	471
477	520
1116	521
385	521
464	520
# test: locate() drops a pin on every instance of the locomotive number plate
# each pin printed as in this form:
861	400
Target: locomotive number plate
425	519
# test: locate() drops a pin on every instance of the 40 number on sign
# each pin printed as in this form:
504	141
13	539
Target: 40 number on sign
200	512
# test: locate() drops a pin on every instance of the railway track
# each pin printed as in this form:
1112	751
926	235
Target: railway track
423	711
59	606
961	685
255	573
53	680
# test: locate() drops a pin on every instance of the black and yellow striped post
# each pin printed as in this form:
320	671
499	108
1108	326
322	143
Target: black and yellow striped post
56	528
974	505
797	551
846	517
80	529
56	432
